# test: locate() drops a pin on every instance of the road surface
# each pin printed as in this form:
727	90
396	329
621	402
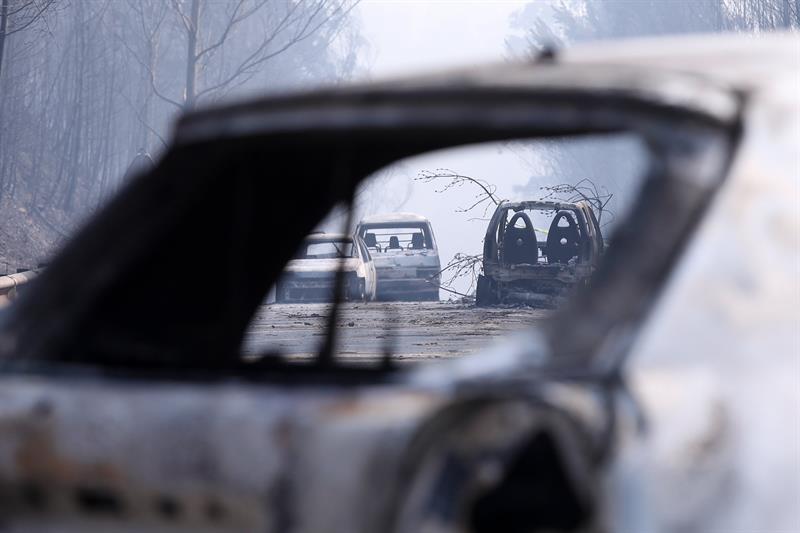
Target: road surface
414	330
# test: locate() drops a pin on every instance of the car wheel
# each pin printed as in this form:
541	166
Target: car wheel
484	292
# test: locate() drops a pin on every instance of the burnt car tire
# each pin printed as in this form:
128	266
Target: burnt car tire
359	292
484	292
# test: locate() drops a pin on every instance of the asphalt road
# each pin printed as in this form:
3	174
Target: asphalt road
414	330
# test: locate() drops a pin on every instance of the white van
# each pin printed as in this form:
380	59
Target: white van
406	258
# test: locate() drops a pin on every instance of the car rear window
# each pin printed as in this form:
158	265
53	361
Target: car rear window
400	237
325	250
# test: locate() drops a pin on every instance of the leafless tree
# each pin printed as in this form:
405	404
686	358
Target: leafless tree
220	54
485	198
17	16
87	85
587	190
461	267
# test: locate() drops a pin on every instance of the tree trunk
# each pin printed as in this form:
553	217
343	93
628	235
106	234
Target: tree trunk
191	55
3	28
797	12
147	99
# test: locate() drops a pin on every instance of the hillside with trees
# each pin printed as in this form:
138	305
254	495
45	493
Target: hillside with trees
90	89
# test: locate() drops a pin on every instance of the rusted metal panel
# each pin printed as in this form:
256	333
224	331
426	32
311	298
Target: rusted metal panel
564	273
90	456
85	454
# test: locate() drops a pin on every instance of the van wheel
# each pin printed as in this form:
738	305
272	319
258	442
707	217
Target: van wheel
484	292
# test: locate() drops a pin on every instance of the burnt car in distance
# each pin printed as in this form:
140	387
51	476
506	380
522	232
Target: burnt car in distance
405	254
311	274
518	267
661	398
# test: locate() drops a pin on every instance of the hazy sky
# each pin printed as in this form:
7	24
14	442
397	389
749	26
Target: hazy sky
408	35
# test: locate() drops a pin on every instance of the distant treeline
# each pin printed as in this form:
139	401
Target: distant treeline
85	86
611	163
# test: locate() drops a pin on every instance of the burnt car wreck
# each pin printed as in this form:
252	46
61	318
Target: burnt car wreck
311	274
126	404
517	267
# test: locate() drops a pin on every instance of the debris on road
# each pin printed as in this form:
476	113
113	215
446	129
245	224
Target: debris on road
418	330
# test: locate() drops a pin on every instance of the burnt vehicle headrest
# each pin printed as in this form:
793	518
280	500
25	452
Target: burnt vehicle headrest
417	241
520	244
370	240
394	243
563	241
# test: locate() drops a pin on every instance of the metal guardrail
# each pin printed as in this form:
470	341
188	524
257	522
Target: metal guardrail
9	285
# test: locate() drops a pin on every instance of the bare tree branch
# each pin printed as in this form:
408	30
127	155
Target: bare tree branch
38	13
311	25
585	189
151	75
249	61
143	122
487	197
234	19
461	266
187	24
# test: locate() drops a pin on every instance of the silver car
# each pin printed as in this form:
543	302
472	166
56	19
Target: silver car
311	275
405	254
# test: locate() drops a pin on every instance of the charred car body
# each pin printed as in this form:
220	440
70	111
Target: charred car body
311	275
518	267
125	403
405	254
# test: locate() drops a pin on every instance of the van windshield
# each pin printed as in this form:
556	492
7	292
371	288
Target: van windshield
385	238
